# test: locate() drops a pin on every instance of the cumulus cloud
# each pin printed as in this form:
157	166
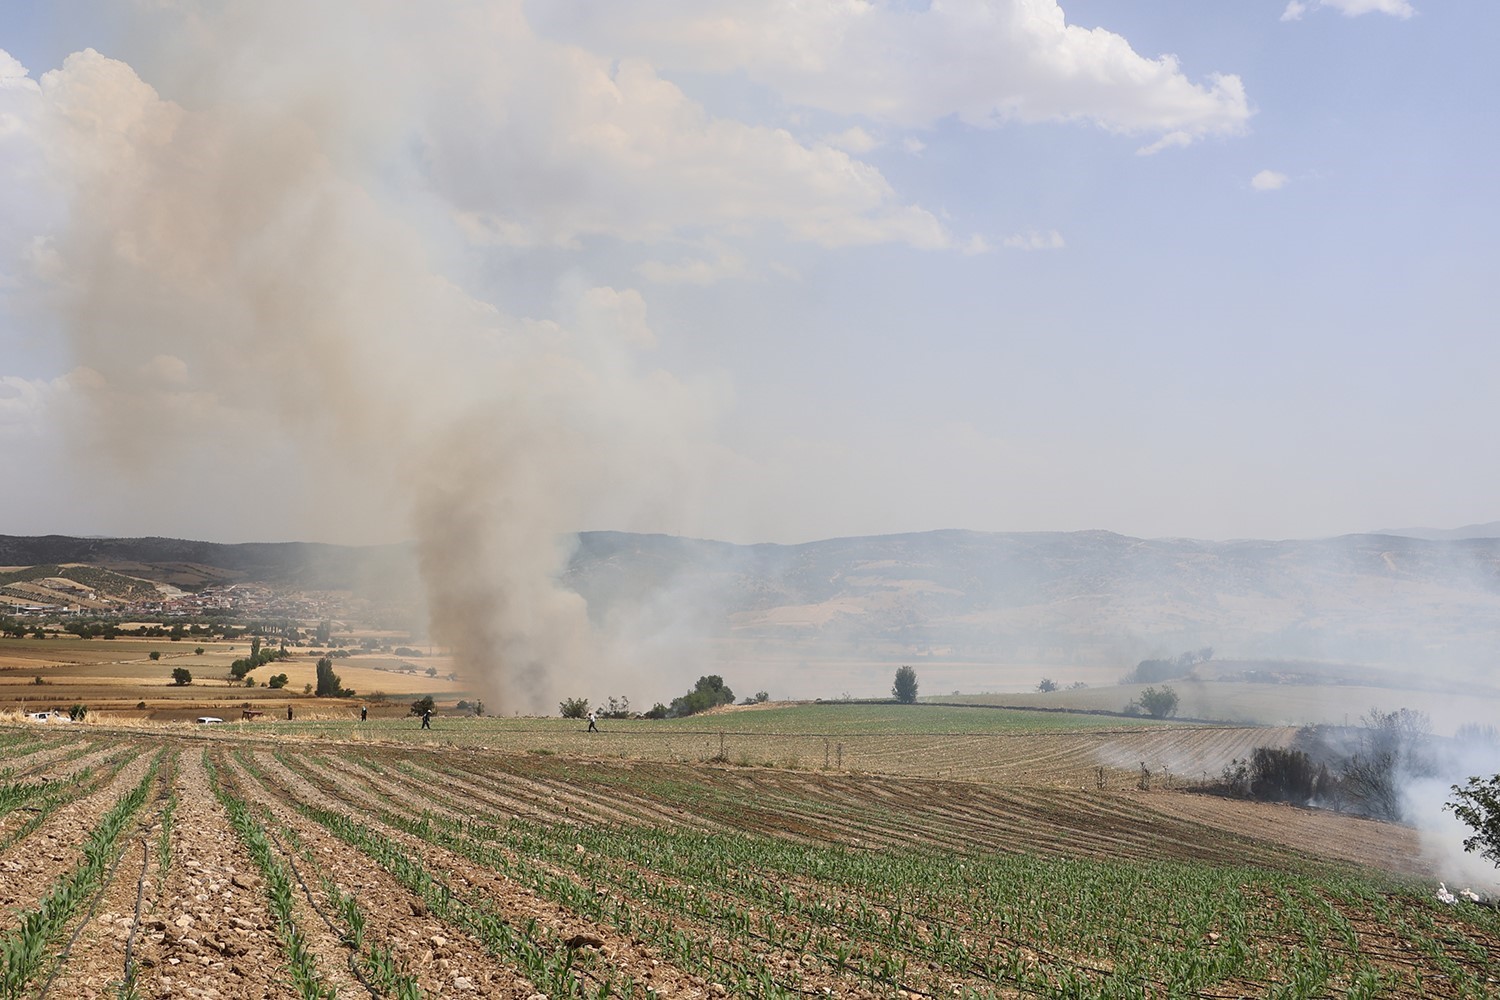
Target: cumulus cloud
1269	180
1007	60
1297	9
853	140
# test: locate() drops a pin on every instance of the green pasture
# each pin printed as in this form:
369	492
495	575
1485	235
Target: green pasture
811	720
1266	704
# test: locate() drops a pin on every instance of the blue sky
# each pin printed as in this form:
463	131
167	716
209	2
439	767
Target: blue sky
762	272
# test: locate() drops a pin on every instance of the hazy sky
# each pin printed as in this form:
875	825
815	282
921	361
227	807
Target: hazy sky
756	271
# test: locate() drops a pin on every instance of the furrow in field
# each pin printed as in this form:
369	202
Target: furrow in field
95	965
514	903
54	847
211	933
443	958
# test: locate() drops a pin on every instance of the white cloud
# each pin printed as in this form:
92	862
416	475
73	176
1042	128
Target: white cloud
13	75
1034	240
853	140
1269	180
983	61
1295	9
716	265
615	314
1169	141
536	143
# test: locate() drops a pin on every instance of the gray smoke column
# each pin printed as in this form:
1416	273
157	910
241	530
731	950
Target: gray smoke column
268	307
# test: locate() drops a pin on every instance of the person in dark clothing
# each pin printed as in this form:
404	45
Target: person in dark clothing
289	713
427	719
364	712
592	728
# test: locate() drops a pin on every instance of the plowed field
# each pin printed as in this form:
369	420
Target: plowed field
222	863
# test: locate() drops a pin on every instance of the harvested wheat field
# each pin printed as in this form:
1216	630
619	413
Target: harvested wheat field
229	861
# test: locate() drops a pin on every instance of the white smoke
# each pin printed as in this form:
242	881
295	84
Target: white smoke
248	300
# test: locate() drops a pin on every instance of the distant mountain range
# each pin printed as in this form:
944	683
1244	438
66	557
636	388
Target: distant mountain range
1079	598
1488	530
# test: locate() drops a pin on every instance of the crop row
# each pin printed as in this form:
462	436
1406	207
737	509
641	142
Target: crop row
1084	928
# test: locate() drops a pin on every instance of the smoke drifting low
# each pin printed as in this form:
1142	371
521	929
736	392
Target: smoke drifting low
265	300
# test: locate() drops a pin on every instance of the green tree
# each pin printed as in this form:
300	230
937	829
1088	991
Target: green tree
1046	685
1478	805
1159	703
198	651
181	676
422	704
328	681
904	689
279	681
709	692
573	708
155	654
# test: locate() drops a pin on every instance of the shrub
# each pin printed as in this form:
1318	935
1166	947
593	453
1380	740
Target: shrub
904	689
1046	685
709	692
1280	775
573	708
1159	703
181	676
422	704
77	712
156	654
198	651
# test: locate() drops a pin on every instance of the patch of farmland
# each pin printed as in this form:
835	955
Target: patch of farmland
252	865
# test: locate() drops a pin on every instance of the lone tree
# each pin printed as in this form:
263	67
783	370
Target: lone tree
904	689
181	676
573	708
1159	703
1046	685
328	681
1478	805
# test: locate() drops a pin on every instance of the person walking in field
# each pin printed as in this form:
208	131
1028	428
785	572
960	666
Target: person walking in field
364	712
592	717
289	713
426	718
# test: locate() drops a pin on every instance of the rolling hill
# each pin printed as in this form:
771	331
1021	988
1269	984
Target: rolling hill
1080	598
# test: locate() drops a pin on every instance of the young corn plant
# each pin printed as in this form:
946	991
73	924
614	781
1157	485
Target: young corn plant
303	965
24	950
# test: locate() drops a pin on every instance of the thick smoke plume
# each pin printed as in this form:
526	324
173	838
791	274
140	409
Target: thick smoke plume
262	285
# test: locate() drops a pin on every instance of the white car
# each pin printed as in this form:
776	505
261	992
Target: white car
207	720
